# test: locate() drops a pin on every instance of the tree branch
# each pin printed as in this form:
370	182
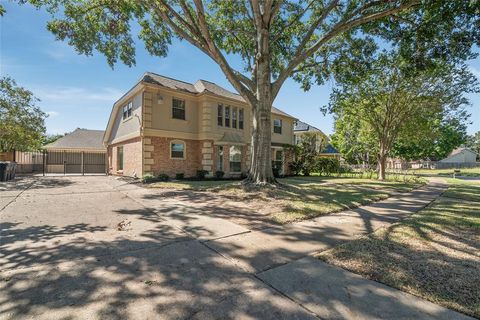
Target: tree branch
342	26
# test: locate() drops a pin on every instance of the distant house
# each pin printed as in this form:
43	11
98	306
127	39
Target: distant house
330	152
322	146
302	128
461	155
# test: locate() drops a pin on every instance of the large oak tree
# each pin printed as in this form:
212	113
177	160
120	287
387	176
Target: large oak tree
276	39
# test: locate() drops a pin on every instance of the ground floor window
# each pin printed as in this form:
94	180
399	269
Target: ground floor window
278	160
219	158
235	159
177	150
120	158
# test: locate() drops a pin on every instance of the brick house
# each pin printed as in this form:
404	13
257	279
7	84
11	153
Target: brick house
163	125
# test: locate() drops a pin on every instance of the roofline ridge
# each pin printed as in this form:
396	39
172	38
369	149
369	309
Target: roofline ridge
160	75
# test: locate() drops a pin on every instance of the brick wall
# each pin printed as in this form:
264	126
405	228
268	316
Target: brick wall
132	158
161	162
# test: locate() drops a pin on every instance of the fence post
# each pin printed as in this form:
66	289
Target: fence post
64	164
83	164
44	160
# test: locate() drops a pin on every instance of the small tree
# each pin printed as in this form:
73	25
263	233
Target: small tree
389	101
22	123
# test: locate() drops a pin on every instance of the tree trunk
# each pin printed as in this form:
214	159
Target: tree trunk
382	158
381	167
261	172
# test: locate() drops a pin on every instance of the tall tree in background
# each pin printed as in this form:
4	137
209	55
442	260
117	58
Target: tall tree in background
22	123
390	100
473	142
276	39
445	134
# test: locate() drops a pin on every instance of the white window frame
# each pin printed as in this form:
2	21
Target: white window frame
172	142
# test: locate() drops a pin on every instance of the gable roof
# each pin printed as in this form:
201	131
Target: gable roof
201	86
303	126
80	139
460	150
329	149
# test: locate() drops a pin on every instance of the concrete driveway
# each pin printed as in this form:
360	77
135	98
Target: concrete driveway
100	248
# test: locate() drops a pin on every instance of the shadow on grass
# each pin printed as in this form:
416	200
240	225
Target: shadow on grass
434	254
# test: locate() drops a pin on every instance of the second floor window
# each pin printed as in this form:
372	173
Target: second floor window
227	116
234	117
240	119
277	126
220	115
178	109
127	110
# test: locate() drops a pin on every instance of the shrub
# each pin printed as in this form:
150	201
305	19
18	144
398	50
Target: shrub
148	178
162	177
327	166
219	174
295	167
180	176
201	174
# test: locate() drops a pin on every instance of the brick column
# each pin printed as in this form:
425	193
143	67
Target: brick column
147	145
207	156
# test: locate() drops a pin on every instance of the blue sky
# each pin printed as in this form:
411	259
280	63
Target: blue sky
78	91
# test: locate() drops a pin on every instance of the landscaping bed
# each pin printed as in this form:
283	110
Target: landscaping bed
434	254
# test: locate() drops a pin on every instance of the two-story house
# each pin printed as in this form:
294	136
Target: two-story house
163	125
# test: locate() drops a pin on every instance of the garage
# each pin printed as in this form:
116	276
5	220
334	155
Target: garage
79	152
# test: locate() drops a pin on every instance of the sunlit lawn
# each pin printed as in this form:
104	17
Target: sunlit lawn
467	172
299	198
434	254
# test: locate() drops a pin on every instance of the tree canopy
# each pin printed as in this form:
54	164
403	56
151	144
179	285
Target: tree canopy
22	123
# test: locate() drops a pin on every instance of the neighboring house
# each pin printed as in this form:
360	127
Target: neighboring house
302	128
163	125
461	155
330	152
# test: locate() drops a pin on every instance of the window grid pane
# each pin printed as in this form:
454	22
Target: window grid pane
178	109
220	115
234	117
240	119
227	116
177	150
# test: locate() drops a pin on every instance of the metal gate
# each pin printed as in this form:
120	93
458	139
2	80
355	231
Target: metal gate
74	162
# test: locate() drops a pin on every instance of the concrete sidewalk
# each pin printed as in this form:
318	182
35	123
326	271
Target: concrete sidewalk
260	250
333	293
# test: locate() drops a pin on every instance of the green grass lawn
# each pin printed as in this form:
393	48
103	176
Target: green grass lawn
434	254
467	172
299	198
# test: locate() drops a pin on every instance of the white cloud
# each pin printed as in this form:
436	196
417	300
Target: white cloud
77	94
52	113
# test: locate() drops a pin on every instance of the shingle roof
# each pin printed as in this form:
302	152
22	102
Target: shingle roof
200	86
80	139
459	150
329	149
303	126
